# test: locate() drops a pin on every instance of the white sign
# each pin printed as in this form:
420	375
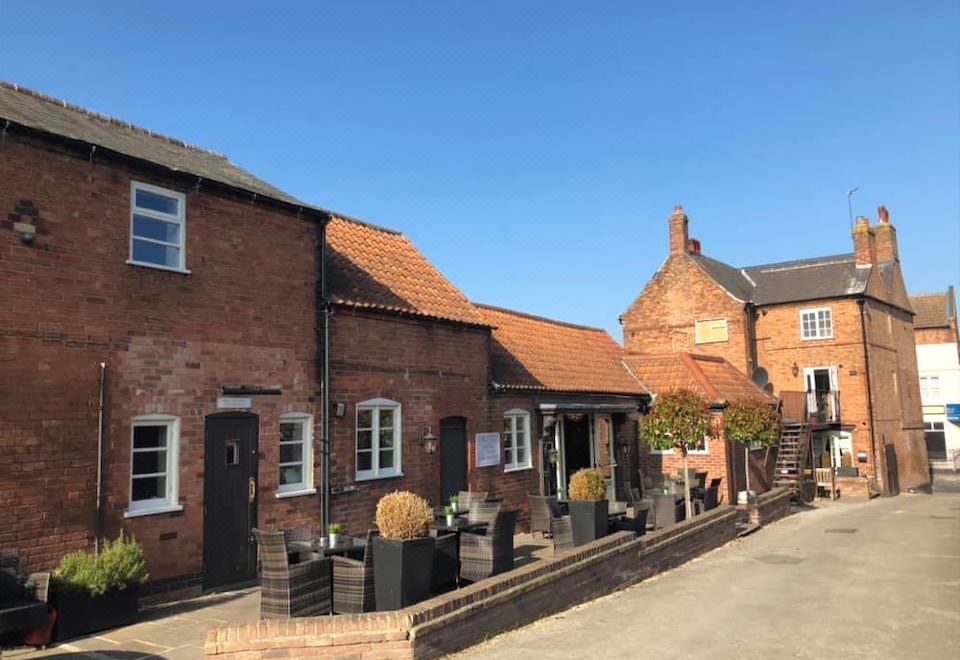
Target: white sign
488	449
234	403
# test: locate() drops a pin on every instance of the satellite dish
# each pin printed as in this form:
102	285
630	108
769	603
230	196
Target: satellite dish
760	377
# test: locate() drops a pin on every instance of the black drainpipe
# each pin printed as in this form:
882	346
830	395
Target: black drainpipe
324	308
750	311
866	365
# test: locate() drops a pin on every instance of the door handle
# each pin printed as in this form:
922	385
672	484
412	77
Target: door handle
252	490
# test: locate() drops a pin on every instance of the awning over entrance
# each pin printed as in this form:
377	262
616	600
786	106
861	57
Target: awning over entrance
550	408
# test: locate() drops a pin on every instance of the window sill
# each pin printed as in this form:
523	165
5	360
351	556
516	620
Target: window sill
376	477
167	508
296	493
520	468
142	264
815	338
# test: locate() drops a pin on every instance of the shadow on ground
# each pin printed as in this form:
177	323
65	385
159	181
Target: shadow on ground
183	607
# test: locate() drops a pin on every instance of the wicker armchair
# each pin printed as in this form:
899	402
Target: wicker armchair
469	498
290	590
490	554
300	535
543	509
353	586
561	529
484	512
637	524
23	602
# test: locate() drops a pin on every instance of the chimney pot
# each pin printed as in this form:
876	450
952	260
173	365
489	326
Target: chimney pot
864	243
679	234
886	238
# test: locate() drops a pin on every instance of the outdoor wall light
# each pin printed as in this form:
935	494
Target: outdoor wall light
795	370
27	232
551	453
429	441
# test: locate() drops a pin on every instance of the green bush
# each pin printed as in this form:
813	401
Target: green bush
118	565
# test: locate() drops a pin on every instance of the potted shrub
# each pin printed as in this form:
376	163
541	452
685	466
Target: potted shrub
94	592
588	505
403	552
455	503
334	530
450	513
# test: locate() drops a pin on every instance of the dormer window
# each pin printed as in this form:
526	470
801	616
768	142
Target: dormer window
157	228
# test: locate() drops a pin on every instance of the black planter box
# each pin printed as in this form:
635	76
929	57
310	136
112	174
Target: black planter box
402	571
79	613
589	520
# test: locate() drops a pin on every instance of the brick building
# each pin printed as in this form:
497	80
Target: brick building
834	333
938	357
143	281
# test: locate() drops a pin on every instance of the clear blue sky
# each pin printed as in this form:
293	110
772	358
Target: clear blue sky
533	150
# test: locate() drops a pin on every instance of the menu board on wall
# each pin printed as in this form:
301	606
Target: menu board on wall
487	449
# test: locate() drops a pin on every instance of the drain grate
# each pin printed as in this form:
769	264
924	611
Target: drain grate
841	530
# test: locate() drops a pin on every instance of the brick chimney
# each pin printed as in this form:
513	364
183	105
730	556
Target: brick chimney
693	246
864	243
679	235
886	237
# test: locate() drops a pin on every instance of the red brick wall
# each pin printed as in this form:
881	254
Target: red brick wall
245	315
662	319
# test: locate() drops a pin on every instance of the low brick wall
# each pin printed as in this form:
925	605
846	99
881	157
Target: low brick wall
466	616
853	488
770	506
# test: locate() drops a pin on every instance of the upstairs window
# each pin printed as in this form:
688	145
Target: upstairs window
157	227
378	439
712	330
929	387
516	440
296	453
816	323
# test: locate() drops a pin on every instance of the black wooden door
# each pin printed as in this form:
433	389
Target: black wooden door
453	457
230	498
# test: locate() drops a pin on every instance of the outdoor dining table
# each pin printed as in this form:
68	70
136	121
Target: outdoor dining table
459	526
345	545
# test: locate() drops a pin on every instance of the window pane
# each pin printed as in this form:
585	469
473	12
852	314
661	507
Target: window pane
364	439
386	459
149	462
364	460
291	453
508	455
386	438
291	474
521	453
291	432
364	418
148	488
149	436
507	425
386	418
156	202
158	230
151	253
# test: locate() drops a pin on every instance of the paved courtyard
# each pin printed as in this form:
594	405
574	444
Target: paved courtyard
877	579
872	580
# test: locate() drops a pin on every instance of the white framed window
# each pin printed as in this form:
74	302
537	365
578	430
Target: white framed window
516	440
710	331
701	448
816	323
154	473
378	439
157	227
930	387
296	455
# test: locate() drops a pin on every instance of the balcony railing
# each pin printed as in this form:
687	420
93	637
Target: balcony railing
811	407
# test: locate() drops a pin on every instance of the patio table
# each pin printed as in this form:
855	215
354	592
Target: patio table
345	545
459	526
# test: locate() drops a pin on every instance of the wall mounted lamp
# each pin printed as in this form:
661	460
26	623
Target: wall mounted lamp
429	441
795	370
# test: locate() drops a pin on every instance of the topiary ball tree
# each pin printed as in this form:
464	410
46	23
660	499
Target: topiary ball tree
677	420
403	515
751	421
588	485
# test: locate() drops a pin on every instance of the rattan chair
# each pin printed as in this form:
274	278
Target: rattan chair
290	590
543	509
353	585
300	535
468	498
445	562
561	529
489	554
484	512
637	524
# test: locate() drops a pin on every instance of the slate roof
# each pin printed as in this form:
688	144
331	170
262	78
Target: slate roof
537	354
933	310
49	115
713	377
376	268
789	281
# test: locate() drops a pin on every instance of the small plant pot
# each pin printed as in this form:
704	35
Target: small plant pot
455	506
333	539
450	520
79	613
402	571
589	520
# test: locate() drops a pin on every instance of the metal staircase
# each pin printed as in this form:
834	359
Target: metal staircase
792	457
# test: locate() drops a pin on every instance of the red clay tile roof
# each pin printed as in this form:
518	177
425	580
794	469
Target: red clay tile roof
713	377
932	310
381	269
533	353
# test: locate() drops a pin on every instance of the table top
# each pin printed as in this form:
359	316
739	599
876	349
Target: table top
344	545
459	525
